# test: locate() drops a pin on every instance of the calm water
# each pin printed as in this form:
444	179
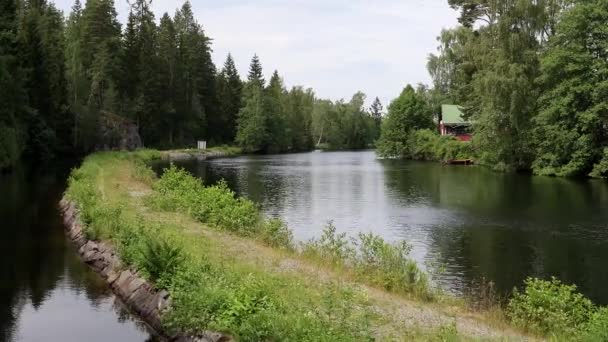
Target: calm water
503	227
46	293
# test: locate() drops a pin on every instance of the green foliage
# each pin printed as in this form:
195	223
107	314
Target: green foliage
9	149
252	123
343	125
160	261
209	290
390	266
408	113
275	233
549	307
596	329
331	247
230	92
372	260
216	205
426	144
570	133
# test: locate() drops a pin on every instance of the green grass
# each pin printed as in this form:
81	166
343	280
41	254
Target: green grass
230	269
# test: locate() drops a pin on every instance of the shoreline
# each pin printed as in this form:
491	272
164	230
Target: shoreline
138	294
119	201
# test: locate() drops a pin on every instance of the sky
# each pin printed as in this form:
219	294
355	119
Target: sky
336	47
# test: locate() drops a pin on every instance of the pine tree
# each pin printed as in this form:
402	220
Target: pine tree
42	57
168	59
196	76
140	64
12	94
276	117
376	113
230	91
252	132
300	105
255	72
77	82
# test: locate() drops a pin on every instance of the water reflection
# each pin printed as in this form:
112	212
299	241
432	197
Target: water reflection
503	227
46	293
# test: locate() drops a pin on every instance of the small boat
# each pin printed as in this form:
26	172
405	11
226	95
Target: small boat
460	162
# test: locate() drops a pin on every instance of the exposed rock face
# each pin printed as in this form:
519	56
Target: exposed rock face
139	295
117	133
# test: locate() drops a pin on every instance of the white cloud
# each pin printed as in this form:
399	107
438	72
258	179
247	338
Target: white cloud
337	47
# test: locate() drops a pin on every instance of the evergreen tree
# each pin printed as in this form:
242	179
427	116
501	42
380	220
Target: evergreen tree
300	105
252	132
230	91
255	72
77	82
42	57
195	76
101	55
12	94
376	113
140	65
168	59
276	120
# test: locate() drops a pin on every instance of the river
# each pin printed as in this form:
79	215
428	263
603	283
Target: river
469	221
46	292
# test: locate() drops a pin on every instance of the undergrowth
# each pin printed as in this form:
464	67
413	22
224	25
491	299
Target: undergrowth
214	291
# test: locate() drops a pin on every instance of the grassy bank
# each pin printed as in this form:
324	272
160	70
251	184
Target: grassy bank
230	269
425	144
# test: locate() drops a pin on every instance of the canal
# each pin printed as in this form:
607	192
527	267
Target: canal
46	293
469	222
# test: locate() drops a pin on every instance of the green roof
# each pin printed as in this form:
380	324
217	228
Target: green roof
452	114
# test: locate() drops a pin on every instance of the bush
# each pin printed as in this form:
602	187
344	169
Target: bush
160	261
549	307
331	247
217	206
373	260
276	234
597	327
390	266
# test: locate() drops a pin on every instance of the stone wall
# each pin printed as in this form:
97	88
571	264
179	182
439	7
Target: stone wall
139	295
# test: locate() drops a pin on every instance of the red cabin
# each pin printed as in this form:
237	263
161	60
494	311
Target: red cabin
452	123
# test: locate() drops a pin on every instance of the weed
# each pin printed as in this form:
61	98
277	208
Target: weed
549	307
160	260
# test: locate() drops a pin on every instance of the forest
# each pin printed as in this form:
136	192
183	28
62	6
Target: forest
532	76
60	75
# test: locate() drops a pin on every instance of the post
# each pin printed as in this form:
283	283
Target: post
202	145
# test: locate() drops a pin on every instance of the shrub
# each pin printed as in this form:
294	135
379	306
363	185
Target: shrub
160	260
597	327
276	234
549	307
332	247
428	145
373	260
390	266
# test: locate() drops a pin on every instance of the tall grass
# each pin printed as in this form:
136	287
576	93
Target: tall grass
214	291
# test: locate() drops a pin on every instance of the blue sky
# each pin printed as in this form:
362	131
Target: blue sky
337	47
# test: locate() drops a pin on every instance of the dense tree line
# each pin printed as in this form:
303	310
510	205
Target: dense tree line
58	76
531	75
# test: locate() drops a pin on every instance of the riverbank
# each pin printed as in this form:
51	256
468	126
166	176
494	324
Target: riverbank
196	154
223	275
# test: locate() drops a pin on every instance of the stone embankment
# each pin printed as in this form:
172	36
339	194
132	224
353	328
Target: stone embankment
139	295
178	156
